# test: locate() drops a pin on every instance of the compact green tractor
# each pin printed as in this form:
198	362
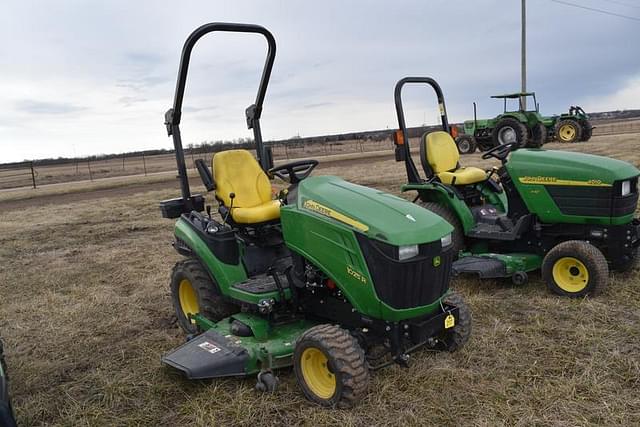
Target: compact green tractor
569	214
329	277
525	127
569	127
6	411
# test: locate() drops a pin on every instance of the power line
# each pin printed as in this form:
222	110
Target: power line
623	3
606	12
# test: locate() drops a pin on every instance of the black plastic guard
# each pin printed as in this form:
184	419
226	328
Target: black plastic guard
209	355
484	267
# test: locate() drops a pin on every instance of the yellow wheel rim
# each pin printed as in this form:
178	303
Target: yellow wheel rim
315	371
570	274
567	133
188	298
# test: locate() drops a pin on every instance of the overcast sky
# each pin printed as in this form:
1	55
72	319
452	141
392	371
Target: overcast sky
89	77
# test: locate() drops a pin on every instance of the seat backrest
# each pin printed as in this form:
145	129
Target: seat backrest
237	171
439	150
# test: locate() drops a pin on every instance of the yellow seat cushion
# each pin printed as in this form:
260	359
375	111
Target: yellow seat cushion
261	213
442	155
463	176
238	172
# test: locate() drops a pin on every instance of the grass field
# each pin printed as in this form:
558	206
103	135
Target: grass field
86	314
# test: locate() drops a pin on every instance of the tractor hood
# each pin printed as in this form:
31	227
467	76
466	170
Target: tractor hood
377	214
567	168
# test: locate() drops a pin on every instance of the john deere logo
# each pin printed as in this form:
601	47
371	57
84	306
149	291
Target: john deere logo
436	261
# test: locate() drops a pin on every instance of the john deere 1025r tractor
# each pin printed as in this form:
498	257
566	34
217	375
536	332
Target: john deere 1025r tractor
570	214
333	278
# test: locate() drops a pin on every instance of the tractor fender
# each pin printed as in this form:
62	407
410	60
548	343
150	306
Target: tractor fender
436	192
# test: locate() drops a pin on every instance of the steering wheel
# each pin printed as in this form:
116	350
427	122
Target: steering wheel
294	172
501	151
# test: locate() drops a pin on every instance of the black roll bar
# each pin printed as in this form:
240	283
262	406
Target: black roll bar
252	113
412	173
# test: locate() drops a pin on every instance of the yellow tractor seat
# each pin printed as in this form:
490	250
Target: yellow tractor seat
238	172
439	153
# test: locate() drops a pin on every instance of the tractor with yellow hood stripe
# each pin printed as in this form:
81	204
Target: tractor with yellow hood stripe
332	278
569	214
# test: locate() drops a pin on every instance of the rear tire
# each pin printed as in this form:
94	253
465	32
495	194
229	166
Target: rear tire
193	291
466	144
509	130
568	131
457	235
456	337
538	136
574	269
330	366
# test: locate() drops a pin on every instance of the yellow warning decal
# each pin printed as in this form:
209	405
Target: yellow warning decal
449	321
441	108
323	210
552	180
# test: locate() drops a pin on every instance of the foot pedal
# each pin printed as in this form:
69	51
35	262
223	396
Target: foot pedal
209	355
484	267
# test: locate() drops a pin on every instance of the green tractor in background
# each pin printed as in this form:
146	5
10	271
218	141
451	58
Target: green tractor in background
329	277
524	127
569	127
6	411
569	214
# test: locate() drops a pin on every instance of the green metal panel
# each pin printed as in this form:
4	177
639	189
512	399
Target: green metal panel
533	170
269	348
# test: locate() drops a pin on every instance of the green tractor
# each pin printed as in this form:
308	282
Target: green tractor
6	411
569	127
329	277
524	127
569	214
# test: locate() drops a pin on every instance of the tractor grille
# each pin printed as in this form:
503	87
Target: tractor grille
598	201
407	284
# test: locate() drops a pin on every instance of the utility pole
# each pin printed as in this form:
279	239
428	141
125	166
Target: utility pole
523	99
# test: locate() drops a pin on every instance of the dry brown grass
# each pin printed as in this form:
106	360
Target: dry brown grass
86	314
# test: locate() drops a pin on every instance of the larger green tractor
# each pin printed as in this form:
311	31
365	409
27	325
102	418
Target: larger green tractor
569	214
329	277
525	127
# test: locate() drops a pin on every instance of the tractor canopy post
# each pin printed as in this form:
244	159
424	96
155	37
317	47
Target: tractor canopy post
173	116
412	172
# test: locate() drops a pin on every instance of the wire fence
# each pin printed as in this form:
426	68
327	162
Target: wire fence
33	174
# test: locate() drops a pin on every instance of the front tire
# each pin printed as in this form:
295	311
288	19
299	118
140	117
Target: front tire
538	136
457	235
466	144
194	292
587	131
456	337
574	269
509	130
330	366
568	131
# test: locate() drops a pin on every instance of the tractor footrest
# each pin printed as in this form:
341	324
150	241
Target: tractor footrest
484	267
261	284
209	355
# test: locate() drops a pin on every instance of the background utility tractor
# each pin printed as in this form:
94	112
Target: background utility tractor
527	128
333	278
569	127
6	411
570	214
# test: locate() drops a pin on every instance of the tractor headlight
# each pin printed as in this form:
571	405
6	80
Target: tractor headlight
446	240
408	251
626	187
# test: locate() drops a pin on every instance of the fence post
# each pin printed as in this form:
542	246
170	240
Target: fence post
144	164
89	167
33	175
123	154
